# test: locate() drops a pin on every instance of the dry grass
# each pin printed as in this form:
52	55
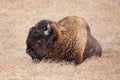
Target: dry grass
17	16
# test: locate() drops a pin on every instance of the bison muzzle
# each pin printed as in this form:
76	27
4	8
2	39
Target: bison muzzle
69	39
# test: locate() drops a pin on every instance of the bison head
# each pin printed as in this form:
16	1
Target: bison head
42	37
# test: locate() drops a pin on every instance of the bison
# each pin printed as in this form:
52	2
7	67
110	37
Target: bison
69	39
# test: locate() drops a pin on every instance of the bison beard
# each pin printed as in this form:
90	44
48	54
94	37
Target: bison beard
50	40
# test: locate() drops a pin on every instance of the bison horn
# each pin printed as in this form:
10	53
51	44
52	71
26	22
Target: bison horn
47	32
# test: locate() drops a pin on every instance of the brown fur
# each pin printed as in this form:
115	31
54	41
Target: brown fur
70	40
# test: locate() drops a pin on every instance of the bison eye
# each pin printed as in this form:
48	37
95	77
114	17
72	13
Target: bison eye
39	41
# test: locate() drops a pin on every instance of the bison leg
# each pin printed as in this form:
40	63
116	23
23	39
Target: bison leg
78	60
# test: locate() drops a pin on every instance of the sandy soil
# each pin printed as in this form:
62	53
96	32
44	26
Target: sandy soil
17	16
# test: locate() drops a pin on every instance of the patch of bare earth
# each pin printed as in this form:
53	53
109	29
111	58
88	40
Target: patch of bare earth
17	16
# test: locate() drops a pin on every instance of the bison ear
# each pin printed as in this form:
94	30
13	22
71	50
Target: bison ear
51	40
49	43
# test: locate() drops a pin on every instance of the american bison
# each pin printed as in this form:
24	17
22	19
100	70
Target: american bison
69	39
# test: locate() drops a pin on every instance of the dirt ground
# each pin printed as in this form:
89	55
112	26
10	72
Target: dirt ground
17	16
